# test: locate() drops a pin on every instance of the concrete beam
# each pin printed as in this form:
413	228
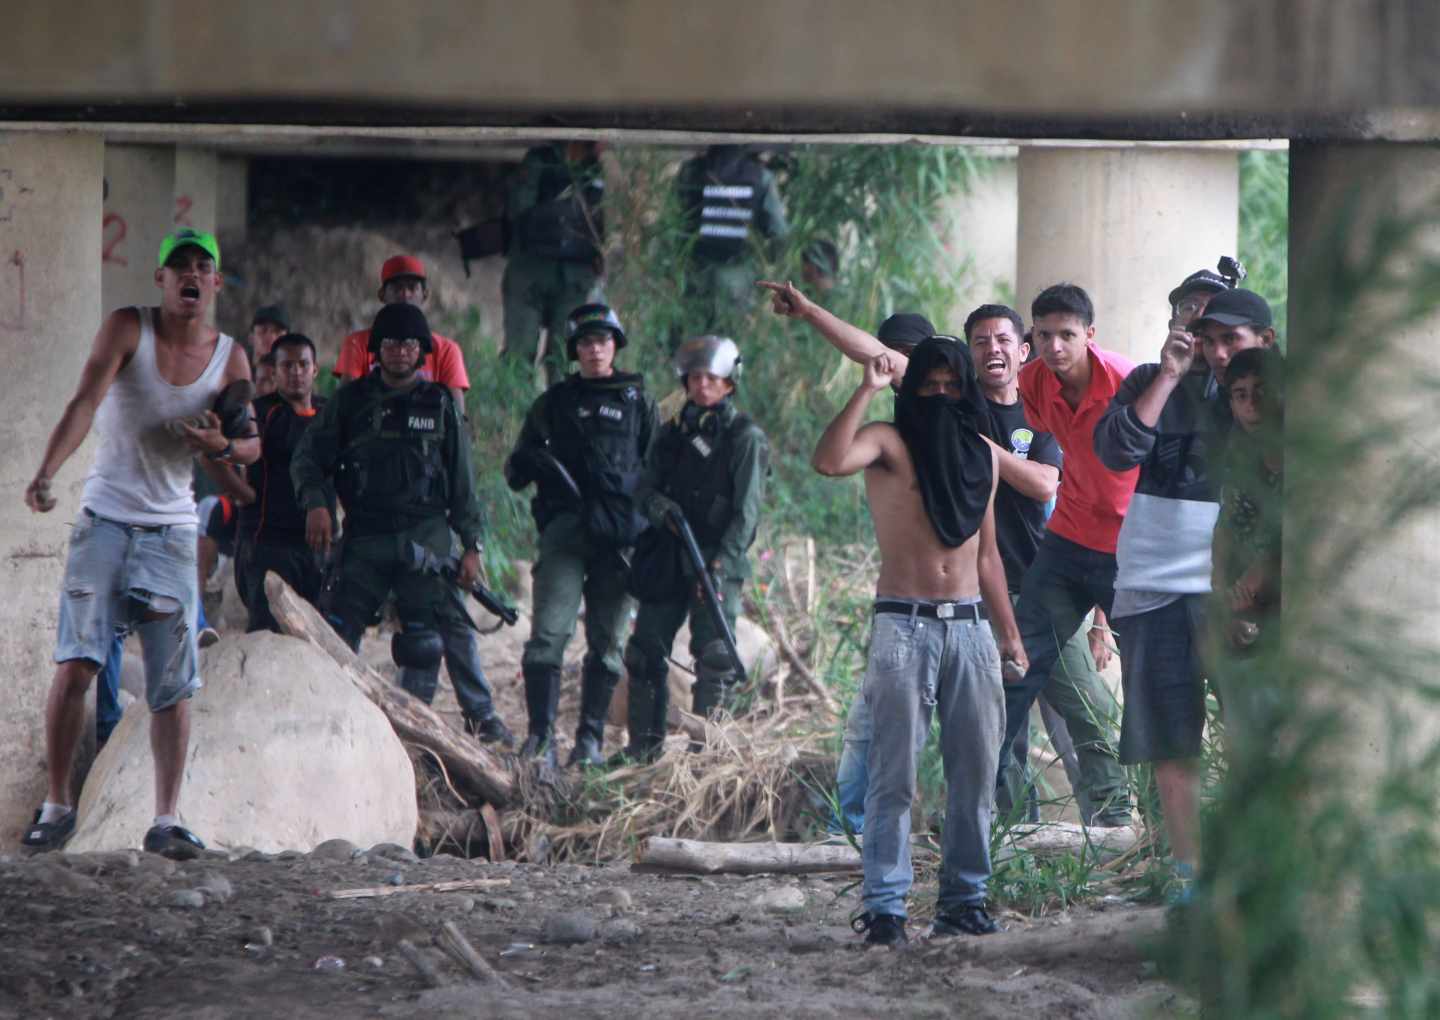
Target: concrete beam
1037	58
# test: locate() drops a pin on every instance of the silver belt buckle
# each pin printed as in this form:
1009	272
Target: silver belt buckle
945	611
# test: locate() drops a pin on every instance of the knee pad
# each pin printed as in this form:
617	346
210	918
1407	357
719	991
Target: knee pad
714	663
417	648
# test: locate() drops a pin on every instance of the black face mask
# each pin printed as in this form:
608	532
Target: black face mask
953	464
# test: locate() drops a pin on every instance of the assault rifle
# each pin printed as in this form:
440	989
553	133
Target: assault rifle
448	567
711	598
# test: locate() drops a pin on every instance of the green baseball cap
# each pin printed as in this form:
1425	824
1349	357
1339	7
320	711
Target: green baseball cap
186	237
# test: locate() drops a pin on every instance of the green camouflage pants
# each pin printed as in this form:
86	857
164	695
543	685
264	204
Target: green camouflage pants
540	294
571	567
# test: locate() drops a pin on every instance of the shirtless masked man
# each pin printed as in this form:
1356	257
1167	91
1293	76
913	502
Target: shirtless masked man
131	562
930	481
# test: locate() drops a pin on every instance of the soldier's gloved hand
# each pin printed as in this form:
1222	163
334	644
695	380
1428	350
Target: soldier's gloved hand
659	509
519	470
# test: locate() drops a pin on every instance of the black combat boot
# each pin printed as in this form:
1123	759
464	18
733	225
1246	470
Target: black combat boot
542	699
714	690
649	704
597	684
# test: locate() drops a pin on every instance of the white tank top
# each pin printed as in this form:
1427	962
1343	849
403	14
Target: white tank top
142	473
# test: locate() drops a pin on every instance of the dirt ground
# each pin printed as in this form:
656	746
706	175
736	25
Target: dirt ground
103	935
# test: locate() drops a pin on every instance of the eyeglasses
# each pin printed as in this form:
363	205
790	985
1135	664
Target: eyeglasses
391	343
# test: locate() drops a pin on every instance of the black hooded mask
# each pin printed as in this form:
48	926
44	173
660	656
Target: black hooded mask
943	434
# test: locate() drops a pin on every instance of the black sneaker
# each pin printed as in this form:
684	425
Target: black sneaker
44	836
173	841
491	730
968	920
881	929
540	747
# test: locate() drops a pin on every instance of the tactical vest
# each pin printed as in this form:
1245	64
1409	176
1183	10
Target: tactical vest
392	468
723	203
595	430
694	471
565	223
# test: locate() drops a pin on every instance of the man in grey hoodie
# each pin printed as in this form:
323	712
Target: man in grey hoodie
1168	417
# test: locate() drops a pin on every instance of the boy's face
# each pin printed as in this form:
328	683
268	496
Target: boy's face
1059	340
705	389
1220	343
1247	400
264	379
188	282
596	354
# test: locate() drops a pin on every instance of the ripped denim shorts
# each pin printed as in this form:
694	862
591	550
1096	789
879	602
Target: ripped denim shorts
116	575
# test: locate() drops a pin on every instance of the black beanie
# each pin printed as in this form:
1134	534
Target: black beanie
400	321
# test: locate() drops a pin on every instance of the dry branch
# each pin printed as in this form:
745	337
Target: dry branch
466	761
421	962
459	885
782	641
696	857
454	942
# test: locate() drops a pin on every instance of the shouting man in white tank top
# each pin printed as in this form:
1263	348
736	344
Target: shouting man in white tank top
149	387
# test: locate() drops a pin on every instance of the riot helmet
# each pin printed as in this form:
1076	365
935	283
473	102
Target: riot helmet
593	318
717	355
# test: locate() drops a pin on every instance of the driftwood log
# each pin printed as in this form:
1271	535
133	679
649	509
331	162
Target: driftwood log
696	857
468	762
1046	839
1055	839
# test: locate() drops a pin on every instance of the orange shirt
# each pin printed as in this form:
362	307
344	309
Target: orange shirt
1093	499
445	364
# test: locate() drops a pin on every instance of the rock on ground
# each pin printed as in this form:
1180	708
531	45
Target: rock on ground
285	753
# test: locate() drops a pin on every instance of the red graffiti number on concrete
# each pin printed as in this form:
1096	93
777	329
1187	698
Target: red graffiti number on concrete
112	232
16	321
183	205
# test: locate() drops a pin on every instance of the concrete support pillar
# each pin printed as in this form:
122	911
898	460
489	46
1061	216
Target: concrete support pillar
1127	225
233	198
1361	371
139	211
50	217
150	190
197	188
980	233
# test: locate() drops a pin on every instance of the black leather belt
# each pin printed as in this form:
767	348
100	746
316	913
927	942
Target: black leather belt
148	528
972	611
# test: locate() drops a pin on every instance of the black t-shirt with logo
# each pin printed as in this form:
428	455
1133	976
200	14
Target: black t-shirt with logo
1020	520
276	515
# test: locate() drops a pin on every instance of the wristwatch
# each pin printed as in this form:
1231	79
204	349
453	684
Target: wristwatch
222	454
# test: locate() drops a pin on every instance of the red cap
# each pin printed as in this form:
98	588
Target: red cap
401	265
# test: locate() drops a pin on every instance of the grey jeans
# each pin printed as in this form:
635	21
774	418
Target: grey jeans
918	665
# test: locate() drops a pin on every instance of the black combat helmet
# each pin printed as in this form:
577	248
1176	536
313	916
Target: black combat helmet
595	318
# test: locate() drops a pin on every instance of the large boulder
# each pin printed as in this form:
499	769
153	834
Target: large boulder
285	753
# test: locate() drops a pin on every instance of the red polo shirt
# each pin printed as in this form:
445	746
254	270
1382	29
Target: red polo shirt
1093	499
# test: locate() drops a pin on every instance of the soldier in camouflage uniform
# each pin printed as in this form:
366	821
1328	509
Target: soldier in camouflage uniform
597	426
710	463
395	449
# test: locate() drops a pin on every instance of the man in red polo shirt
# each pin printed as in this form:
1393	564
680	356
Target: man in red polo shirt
1065	391
402	279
